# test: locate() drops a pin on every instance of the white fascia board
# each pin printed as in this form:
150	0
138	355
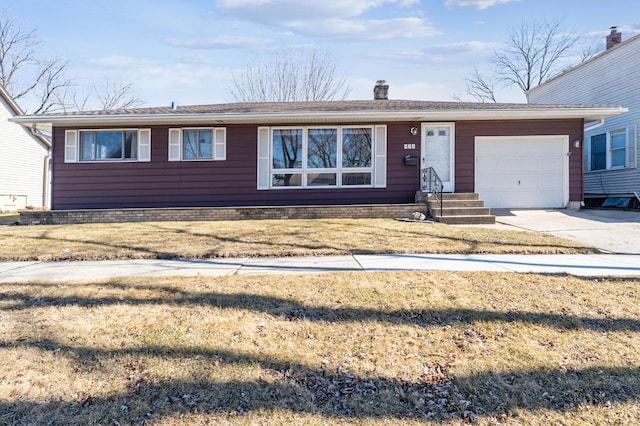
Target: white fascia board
589	114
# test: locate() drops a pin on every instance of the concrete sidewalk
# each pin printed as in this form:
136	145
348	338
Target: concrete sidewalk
595	265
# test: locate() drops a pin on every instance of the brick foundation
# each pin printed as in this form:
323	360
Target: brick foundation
368	211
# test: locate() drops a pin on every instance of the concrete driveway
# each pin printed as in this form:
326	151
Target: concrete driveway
611	231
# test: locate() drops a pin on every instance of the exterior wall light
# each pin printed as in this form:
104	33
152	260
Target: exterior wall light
576	143
414	131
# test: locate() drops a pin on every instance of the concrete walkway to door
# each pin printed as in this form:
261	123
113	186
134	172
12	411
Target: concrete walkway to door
611	231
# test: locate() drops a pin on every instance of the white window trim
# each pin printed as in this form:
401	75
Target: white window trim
378	159
73	146
608	150
218	144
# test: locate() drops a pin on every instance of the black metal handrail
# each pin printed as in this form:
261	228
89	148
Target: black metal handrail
431	183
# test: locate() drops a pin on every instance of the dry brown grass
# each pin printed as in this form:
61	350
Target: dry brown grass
374	348
265	238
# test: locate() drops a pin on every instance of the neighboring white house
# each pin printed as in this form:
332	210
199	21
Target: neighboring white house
24	161
610	149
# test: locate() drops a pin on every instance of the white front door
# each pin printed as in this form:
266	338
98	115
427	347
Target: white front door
437	151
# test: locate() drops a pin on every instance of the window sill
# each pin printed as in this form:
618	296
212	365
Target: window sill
607	170
278	188
109	161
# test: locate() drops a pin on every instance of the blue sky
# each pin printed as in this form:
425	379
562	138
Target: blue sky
185	51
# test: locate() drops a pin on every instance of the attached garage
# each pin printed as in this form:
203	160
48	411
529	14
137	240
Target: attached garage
522	171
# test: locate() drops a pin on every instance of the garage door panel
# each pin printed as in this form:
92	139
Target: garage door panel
551	164
550	182
528	166
522	172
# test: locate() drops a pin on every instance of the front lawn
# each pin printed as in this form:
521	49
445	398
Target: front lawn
365	348
266	238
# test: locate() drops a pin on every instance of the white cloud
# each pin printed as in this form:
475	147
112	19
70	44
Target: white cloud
478	4
223	42
114	61
330	19
373	29
159	83
422	91
281	11
448	54
463	50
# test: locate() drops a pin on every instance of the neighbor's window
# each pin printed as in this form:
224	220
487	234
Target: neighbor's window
599	152
108	145
321	157
197	144
618	148
609	150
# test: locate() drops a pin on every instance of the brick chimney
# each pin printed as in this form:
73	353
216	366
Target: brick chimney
614	38
381	90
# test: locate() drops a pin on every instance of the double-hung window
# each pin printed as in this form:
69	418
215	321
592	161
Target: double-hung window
618	149
197	144
612	150
599	152
192	144
321	157
102	145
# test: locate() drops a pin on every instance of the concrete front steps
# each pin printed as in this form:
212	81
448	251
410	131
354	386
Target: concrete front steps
459	209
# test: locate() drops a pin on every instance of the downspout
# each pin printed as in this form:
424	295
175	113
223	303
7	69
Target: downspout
46	167
594	126
45	182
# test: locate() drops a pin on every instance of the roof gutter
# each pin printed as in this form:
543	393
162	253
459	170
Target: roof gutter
46	122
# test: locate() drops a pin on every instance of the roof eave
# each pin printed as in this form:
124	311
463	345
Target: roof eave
47	122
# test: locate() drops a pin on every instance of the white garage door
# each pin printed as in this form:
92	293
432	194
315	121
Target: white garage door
522	172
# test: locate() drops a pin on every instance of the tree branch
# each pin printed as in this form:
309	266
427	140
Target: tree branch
290	77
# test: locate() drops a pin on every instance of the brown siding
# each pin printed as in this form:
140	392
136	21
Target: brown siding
232	182
466	131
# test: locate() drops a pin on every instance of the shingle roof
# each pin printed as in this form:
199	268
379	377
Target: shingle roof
283	113
324	106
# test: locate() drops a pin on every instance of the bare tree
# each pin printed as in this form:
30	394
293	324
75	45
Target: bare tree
589	51
109	95
481	89
23	72
533	53
291	77
42	82
115	95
